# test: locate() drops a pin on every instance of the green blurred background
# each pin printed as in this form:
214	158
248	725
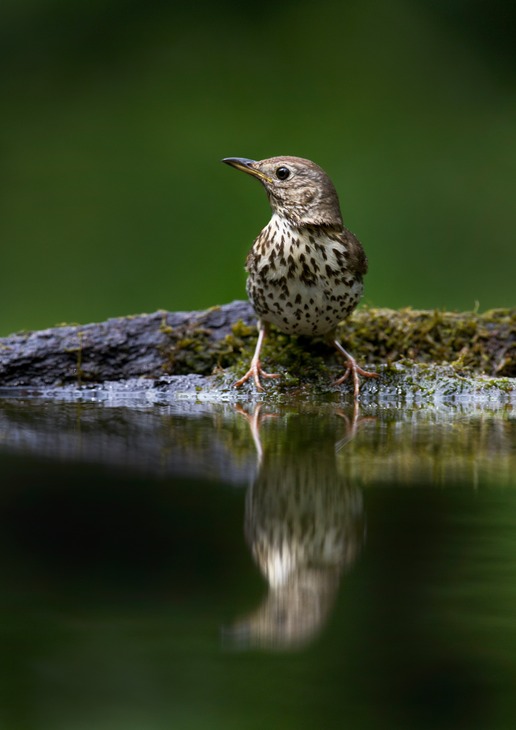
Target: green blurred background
115	115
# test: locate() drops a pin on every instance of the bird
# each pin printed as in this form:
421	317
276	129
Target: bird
305	269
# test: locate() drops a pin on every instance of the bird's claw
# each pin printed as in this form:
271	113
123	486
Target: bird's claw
355	370
256	372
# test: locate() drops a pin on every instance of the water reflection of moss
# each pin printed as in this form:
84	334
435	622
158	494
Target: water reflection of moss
429	449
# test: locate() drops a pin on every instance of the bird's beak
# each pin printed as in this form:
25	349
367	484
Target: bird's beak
242	163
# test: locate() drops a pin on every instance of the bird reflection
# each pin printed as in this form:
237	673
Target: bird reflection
304	524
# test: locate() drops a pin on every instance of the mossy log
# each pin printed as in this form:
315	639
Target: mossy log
204	342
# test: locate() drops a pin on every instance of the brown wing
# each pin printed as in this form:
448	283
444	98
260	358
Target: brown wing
356	260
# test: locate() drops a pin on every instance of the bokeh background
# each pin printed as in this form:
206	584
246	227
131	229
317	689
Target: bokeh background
115	115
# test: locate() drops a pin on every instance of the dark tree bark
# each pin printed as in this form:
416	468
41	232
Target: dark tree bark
117	349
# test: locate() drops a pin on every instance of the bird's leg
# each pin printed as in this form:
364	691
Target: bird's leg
352	367
255	370
254	420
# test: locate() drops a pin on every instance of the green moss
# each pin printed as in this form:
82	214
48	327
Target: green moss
193	350
242	330
165	328
392	342
425	381
484	343
78	351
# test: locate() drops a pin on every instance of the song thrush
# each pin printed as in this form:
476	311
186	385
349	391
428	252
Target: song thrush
305	268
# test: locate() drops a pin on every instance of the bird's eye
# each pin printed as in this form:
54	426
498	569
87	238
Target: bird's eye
282	173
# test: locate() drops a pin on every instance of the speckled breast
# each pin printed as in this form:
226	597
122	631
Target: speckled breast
300	283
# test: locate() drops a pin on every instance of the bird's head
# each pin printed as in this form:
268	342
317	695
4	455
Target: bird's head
298	189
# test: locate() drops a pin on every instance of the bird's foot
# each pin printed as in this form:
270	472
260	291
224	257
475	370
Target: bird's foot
355	370
256	372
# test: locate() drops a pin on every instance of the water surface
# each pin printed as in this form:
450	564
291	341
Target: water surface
199	566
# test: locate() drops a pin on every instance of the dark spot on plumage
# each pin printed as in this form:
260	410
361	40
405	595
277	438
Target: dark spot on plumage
307	280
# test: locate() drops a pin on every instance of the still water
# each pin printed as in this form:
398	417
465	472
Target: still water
219	566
